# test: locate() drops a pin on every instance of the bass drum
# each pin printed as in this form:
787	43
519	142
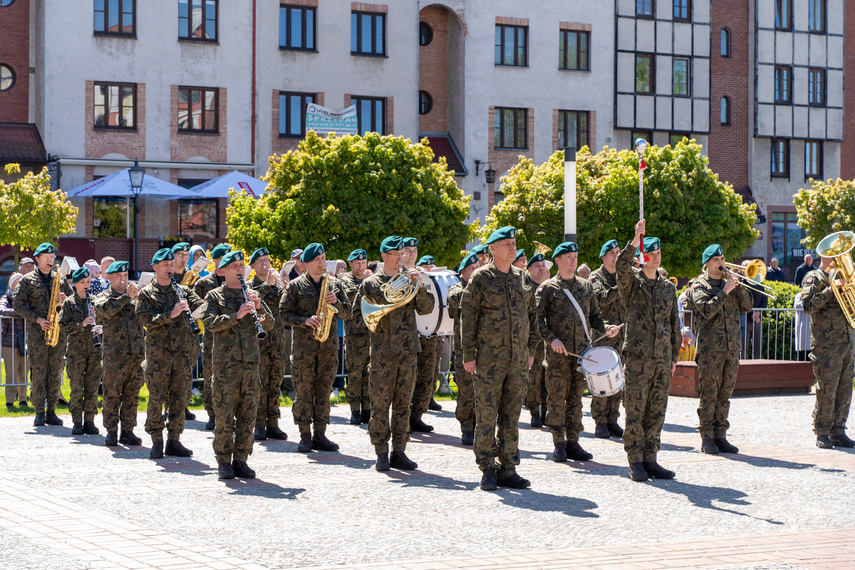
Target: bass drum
437	322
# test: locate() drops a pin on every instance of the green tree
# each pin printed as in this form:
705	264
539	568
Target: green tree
685	204
351	192
824	208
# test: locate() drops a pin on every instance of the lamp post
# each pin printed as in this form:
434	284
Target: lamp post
570	193
136	174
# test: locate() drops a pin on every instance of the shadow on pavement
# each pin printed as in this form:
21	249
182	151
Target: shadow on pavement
185	465
679	429
765	461
704	497
437	438
420	478
260	488
548	503
351	461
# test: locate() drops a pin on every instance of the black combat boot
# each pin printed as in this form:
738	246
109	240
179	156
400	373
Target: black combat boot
156	450
225	470
382	462
602	431
355	417
467	438
637	472
305	445
725	446
657	471
111	440
513	481
417	425
433	406
52	419
536	421
576	453
841	440
615	430
709	447
560	453
824	442
488	480
39	420
209	425
242	470
273	432
365	416
399	460
77	428
89	428
321	443
127	437
188	415
259	434
176	449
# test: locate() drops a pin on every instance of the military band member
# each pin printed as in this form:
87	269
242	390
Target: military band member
650	349
313	363
521	260
124	351
605	411
181	251
271	366
394	346
465	412
83	358
535	393
483	253
428	366
236	356
168	342
498	331
357	341
831	345
32	301
717	301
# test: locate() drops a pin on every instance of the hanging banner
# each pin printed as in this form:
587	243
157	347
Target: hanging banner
324	121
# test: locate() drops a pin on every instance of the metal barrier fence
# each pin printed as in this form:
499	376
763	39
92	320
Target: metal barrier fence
14	357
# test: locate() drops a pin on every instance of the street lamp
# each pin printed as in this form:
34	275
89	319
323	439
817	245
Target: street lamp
137	175
570	193
489	173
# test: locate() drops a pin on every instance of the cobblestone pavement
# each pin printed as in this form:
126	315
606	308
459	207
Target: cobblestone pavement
70	502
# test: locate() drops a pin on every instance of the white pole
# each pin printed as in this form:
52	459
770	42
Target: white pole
570	194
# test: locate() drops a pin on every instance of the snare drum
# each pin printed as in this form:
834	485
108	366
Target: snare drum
604	377
437	322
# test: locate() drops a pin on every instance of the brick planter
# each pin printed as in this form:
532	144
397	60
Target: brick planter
754	377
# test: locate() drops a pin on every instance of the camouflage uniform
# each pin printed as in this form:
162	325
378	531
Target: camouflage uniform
831	342
313	363
31	301
202	287
83	360
536	393
124	349
606	410
465	411
652	342
557	319
427	366
357	348
271	367
168	343
716	316
394	346
498	331
236	383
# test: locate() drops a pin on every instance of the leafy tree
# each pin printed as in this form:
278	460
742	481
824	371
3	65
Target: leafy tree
351	192
685	204
824	208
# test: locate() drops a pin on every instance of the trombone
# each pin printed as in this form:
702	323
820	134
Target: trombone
754	272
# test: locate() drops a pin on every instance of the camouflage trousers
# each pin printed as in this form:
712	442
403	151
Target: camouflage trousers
535	388
606	409
84	375
236	389
287	387
717	377
270	370
833	370
565	386
499	386
427	364
357	355
393	377
46	364
645	400
166	376
465	411
192	360
123	378
314	373
208	372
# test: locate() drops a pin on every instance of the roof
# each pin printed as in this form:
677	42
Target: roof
748	198
21	143
443	145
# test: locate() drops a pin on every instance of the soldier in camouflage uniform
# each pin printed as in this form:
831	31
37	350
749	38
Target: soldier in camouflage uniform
313	363
181	251
535	390
83	358
561	326
124	350
521	261
831	345
168	342
605	411
229	316
394	346
498	332
483	253
465	412
271	366
427	364
31	301
651	345
357	341
716	300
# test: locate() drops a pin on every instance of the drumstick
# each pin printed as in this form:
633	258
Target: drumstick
604	336
580	356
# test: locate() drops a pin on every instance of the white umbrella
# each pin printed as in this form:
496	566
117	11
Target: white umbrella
118	185
219	187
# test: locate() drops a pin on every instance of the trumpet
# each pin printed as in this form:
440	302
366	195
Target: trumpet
754	272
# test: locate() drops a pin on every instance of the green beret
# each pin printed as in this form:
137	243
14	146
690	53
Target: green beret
220	250
311	252
712	251
426	260
391	243
608	246
118	267
411	242
507	232
164	254
44	248
480	249
181	246
520	253
79	275
231	257
470	259
260	252
650	244
534	259
357	254
566	247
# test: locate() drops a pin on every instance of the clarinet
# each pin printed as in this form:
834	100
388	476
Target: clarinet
95	328
259	332
194	328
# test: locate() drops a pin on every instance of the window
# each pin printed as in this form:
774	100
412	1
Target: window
510	128
425	103
112	218
512	45
682	9
646	135
115	105
787	238
783	14
676	138
292	113
816	87
425	34
725	111
573	129
197	20
297	28
197	218
573	50
370	114
783	85
816	15
4	3
197	109
7	77
367	33
780	158
680	76
644	8
644	74
725	42
813	160
115	17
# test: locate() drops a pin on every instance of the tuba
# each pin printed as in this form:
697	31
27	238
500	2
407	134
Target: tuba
325	312
52	334
838	246
398	291
541	248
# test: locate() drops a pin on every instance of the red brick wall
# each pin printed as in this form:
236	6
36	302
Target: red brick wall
502	160
433	69
847	150
100	142
212	146
15	54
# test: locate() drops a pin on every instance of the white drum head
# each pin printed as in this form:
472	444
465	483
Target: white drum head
606	358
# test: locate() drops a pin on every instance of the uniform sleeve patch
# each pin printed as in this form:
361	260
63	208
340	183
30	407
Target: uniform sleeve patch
696	285
809	280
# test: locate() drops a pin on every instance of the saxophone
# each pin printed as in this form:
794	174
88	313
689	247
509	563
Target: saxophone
52	334
325	312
